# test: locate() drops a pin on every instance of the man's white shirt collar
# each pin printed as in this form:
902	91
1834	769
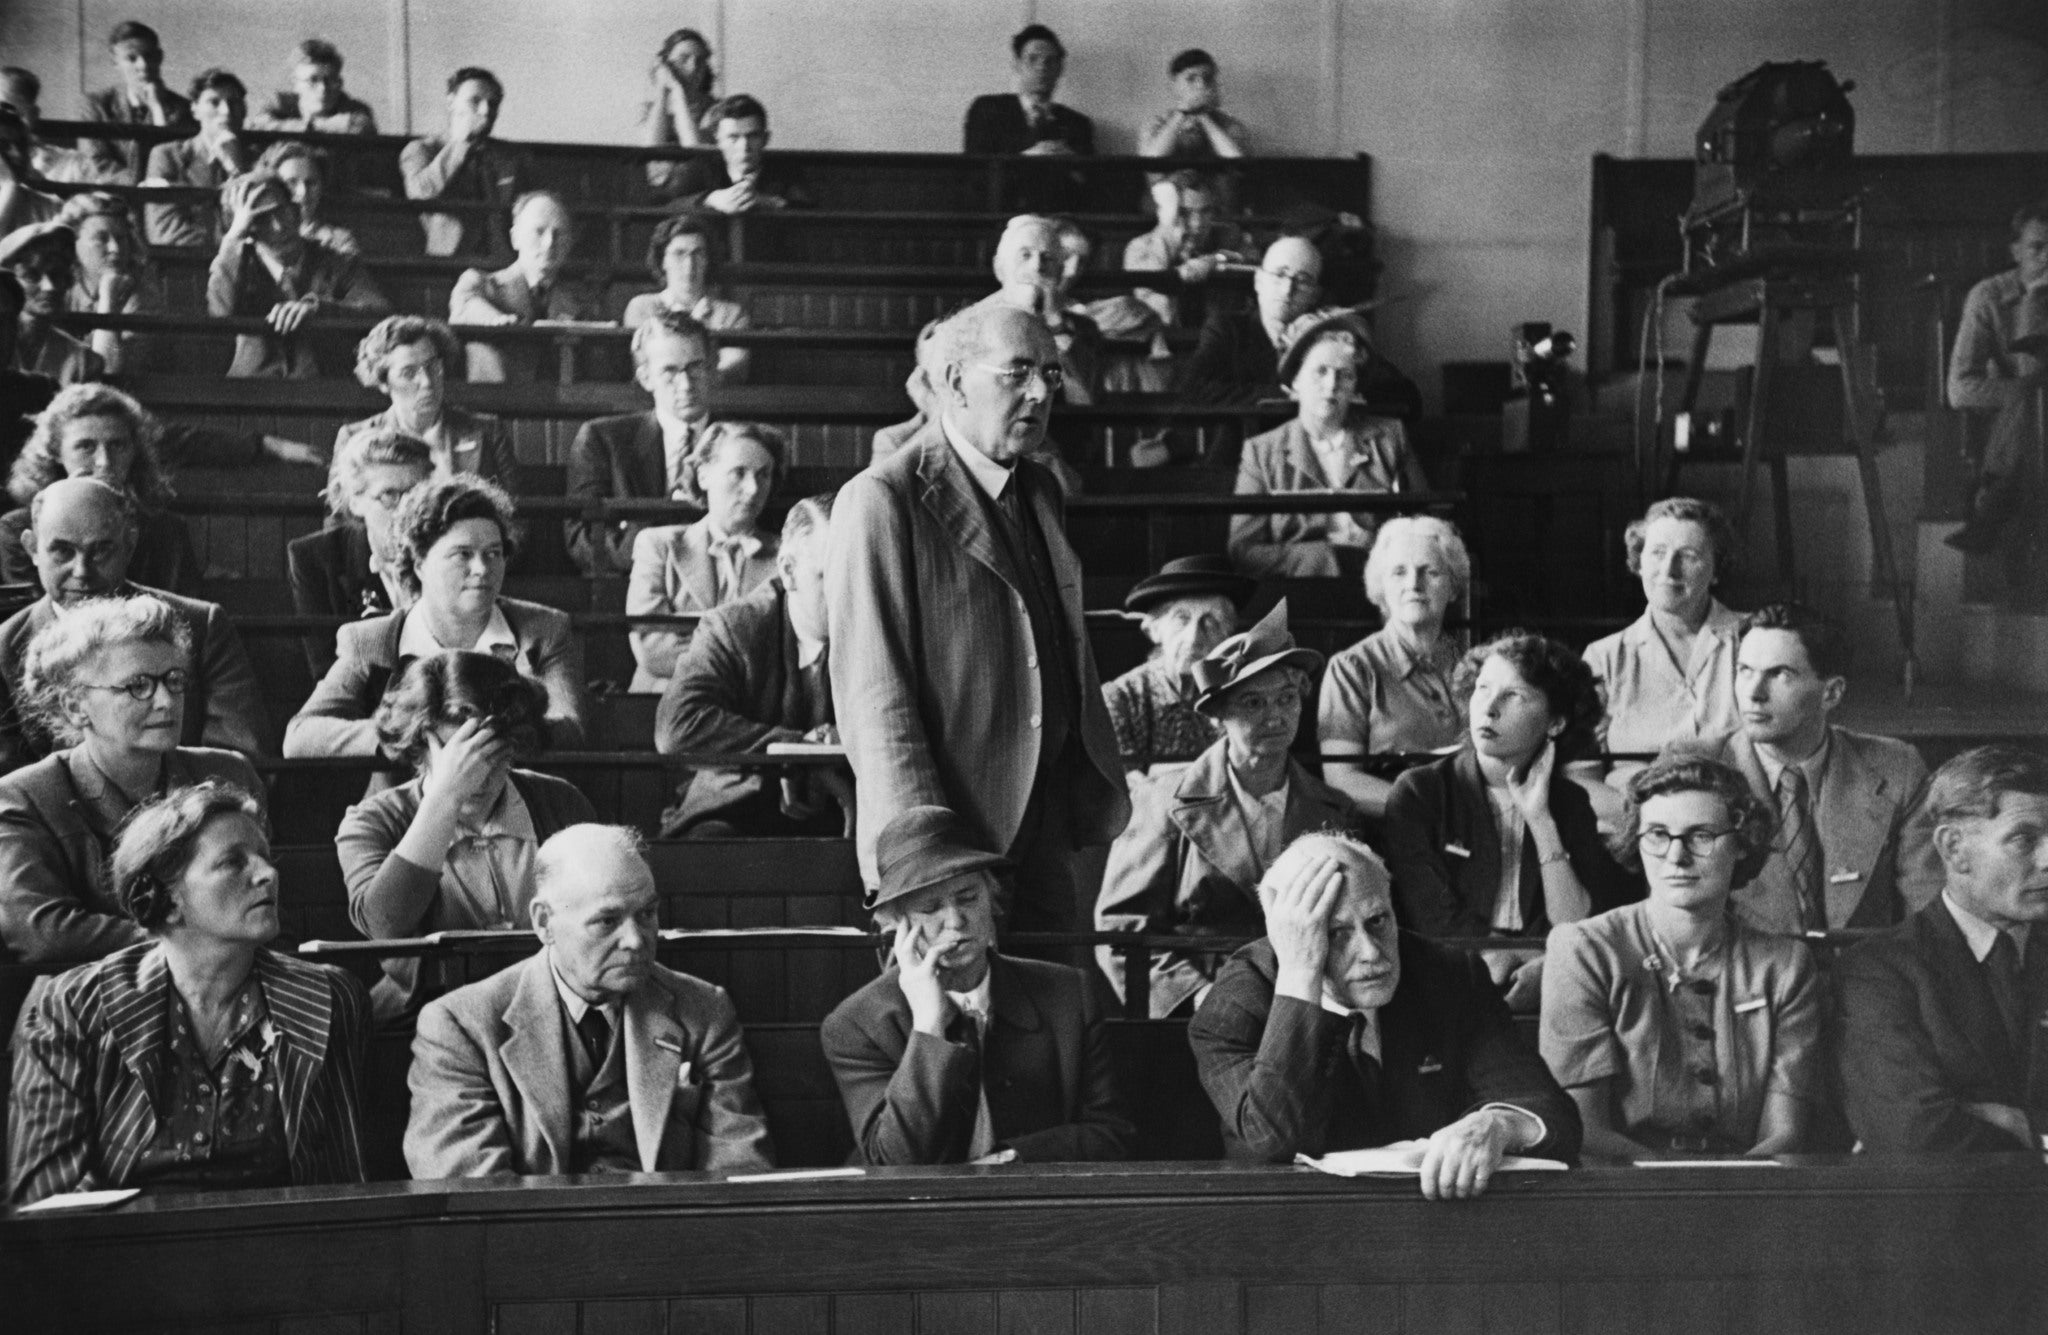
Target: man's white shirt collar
417	640
989	475
976	999
575	1005
1813	767
1370	1040
1978	934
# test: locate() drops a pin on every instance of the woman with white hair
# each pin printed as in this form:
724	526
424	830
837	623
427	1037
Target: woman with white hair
1186	610
1391	692
350	567
108	681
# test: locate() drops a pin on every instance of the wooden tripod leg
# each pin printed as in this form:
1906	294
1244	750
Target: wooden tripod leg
1695	372
1753	445
1860	416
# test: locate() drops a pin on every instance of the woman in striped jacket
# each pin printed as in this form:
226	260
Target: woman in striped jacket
201	1059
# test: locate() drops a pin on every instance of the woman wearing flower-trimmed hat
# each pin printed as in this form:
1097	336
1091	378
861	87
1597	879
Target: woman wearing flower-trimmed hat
1191	860
1334	443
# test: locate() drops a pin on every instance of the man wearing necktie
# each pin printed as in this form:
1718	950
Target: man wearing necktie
644	455
1854	846
530	290
961	671
958	1054
589	1057
1339	1031
1940	1020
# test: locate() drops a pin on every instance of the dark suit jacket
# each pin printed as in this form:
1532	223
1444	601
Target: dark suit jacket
1919	1034
738	689
613	458
1278	1074
163	557
89	1055
223	706
56	906
1444	851
127	156
338	719
331	577
701	176
934	668
491	1092
1051	1092
996	124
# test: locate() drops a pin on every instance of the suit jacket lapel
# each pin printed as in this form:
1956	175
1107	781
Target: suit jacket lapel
303	1011
654	1056
1041	488
699	571
1202	804
952	497
137	1020
1742	753
537	1061
1472	816
1011	1046
1855	825
1961	978
645	471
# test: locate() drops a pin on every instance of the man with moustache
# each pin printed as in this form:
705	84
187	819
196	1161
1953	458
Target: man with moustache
1338	1031
958	1054
641	456
961	671
1853	846
1940	1021
81	535
589	1057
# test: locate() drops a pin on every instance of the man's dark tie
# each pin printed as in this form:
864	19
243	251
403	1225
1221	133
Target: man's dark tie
1801	843
2008	986
1362	1060
596	1029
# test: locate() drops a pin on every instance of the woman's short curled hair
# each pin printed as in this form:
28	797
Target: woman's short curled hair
60	651
1569	687
1752	819
717	434
366	449
158	841
99	204
37	466
393	332
1440	533
673	226
292	150
1709	516
450	688
435	506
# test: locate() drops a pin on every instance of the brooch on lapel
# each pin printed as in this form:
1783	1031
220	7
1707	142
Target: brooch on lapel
1842	876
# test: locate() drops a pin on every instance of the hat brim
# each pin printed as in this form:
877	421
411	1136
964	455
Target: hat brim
1351	322
936	869
1308	660
1150	592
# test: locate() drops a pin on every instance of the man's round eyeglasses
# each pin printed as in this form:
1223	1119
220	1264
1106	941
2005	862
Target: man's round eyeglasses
142	686
1016	377
1657	842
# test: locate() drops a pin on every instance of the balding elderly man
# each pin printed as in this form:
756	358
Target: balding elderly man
1030	263
533	289
1339	1031
589	1057
961	671
81	536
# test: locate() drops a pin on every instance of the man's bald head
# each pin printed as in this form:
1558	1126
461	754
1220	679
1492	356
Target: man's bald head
1363	966
1029	255
1364	872
596	908
1289	278
81	536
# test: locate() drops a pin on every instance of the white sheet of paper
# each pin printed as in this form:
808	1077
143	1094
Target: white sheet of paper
798	1175
1708	1163
1403	1158
77	1201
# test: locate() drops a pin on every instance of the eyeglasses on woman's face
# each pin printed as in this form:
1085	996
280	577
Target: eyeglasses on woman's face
142	686
1701	842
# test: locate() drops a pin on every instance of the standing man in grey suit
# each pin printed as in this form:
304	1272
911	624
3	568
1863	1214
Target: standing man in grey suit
961	672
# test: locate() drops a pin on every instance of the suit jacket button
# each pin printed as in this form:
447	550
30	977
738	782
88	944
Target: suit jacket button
1035	721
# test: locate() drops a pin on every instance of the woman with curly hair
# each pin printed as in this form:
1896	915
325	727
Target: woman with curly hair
109	682
407	359
97	431
452	848
681	257
198	1058
113	276
1494	840
452	539
1677	1029
731	471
